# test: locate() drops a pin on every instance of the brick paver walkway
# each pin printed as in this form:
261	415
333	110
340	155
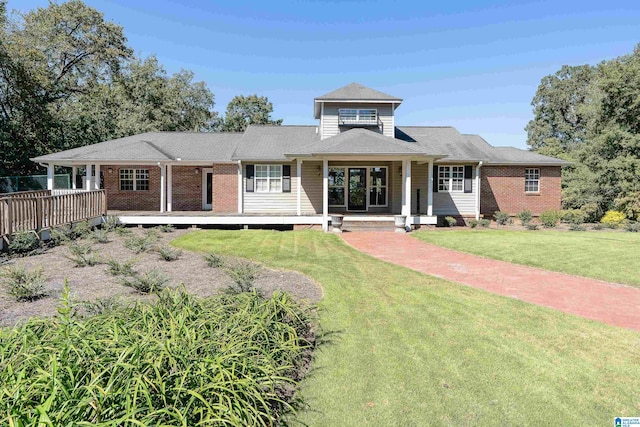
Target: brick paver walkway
593	299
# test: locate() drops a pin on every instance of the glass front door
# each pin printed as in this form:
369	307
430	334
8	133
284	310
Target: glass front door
357	200
207	189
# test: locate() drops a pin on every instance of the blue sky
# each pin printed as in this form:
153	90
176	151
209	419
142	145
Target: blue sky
470	64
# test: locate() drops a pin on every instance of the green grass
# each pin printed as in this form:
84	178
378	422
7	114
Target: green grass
408	349
609	256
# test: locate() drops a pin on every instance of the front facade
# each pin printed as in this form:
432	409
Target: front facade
355	162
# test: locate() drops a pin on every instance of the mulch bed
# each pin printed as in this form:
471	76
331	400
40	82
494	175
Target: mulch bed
93	283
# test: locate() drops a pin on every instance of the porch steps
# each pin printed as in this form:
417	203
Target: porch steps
368	225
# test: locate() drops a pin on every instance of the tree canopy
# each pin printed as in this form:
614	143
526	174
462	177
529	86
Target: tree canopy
243	111
590	115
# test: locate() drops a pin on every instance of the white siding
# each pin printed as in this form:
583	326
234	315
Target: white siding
329	120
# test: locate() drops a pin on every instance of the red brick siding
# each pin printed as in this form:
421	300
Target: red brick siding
187	188
502	189
225	188
131	200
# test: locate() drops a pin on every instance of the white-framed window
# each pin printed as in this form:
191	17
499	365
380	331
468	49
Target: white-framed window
532	180
378	186
134	179
451	179
337	186
268	178
358	116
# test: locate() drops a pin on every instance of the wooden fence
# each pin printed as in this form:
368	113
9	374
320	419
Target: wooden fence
39	209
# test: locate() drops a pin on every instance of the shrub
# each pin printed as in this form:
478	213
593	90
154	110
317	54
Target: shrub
24	243
577	227
23	284
140	244
632	227
148	282
122	231
102	305
502	218
572	216
168	253
450	221
613	219
168	228
525	217
550	218
61	235
214	260
111	223
485	223
244	275
82	255
532	227
473	223
82	229
117	269
100	236
597	226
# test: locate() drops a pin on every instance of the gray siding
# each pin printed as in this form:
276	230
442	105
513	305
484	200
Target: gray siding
456	203
396	183
419	181
311	187
329	118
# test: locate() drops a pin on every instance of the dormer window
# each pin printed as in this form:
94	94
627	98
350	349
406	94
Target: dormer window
358	117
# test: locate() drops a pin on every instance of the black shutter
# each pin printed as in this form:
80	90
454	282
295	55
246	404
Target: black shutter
250	173
435	178
468	179
286	178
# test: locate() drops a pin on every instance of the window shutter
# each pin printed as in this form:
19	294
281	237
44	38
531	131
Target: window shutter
435	178
286	178
468	179
250	174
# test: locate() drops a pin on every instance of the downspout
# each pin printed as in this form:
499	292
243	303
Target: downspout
478	191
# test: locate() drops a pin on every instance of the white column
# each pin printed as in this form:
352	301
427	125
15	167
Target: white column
87	178
96	177
430	189
49	176
478	191
163	186
74	173
325	195
299	177
240	187
169	187
406	189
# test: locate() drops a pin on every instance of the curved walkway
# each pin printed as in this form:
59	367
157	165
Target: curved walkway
616	305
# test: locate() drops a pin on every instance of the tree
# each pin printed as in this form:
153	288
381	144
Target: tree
243	111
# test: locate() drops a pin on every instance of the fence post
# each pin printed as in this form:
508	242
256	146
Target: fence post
104	203
9	218
39	215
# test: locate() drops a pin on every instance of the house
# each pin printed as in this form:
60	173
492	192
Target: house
355	161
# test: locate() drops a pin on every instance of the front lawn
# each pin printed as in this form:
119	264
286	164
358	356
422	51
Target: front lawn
604	255
408	349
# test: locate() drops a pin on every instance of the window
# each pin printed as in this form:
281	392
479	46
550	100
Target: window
268	178
532	180
336	186
368	116
134	179
451	178
378	186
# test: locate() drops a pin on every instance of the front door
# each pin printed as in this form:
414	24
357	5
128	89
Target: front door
207	189
357	199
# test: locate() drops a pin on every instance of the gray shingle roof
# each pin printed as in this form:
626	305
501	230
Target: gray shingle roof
443	140
357	92
154	147
360	142
268	142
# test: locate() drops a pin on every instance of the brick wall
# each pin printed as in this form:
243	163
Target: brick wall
187	188
502	189
148	200
225	188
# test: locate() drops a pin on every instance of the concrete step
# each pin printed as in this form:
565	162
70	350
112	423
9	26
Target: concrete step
368	226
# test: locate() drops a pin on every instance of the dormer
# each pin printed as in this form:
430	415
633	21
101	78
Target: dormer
354	106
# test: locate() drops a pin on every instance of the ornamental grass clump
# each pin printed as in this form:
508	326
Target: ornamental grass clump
180	360
116	268
167	253
23	284
100	236
151	281
24	243
140	244
82	255
214	260
244	275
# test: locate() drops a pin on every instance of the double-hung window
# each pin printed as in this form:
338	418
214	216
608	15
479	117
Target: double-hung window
451	179
268	178
532	180
134	179
378	186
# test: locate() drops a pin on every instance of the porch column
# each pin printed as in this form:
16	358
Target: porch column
169	187
299	195
74	173
49	176
163	186
96	177
430	189
87	178
325	195
406	189
240	187
478	191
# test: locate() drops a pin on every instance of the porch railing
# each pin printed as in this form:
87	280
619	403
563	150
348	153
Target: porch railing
40	209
